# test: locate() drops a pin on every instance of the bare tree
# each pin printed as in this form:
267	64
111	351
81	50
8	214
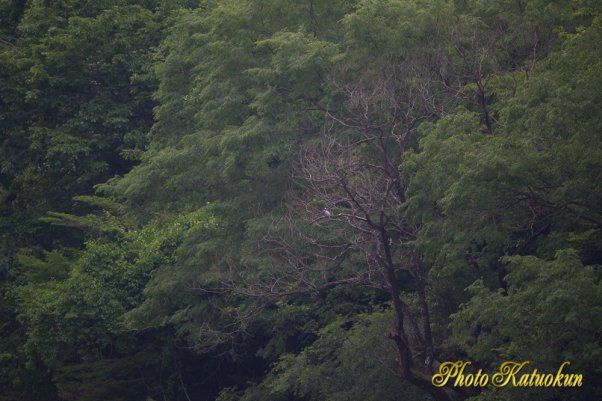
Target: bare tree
346	209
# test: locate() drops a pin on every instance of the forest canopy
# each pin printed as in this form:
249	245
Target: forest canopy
298	200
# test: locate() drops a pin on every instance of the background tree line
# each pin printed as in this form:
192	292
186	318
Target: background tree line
297	200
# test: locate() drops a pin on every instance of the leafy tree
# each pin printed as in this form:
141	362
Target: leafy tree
518	211
76	106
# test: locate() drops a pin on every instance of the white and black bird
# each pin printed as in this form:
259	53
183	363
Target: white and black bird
327	213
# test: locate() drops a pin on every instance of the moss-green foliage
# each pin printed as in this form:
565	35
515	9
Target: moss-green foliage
74	324
149	161
550	315
348	361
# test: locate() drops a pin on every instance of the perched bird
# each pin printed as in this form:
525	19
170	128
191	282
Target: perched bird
327	213
428	361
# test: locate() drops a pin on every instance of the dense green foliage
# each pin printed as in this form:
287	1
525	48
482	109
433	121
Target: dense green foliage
297	200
